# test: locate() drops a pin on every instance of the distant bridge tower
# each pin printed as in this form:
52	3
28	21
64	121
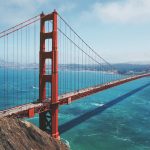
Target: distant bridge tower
49	120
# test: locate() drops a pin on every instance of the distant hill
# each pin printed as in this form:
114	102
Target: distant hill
122	68
139	63
134	68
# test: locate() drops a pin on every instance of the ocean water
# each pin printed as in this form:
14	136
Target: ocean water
118	118
121	124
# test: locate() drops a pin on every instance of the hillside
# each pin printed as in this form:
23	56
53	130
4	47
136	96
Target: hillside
21	135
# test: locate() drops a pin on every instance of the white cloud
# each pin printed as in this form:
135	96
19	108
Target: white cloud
128	11
66	7
15	11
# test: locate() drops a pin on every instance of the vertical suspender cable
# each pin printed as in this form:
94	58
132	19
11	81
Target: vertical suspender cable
4	73
17	70
34	62
65	63
29	74
70	62
7	71
26	64
78	64
21	68
13	69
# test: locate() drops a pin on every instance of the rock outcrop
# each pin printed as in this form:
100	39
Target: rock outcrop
16	134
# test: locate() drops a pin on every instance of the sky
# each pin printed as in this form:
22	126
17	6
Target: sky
119	30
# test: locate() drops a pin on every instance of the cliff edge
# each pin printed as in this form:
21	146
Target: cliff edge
16	134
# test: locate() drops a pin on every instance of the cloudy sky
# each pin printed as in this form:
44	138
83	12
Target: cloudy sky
119	30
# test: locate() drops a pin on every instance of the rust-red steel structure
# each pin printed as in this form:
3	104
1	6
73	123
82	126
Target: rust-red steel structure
53	78
47	107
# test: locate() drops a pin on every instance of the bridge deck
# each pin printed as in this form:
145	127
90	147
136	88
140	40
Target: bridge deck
22	111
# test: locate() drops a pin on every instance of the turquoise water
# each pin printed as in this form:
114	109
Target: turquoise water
123	126
118	118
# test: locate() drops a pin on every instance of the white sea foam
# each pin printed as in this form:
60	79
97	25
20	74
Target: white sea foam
34	87
97	104
93	134
123	139
66	142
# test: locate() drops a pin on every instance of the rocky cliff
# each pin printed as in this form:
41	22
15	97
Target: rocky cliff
16	134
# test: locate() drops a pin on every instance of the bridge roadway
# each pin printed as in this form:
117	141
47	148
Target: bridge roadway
37	107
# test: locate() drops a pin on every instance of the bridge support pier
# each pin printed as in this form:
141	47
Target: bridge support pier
49	120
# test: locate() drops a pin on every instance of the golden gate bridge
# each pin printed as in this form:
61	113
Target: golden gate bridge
41	52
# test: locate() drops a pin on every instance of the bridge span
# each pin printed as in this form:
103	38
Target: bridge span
28	110
29	75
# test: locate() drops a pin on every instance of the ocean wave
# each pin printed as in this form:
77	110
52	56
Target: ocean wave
93	134
122	139
34	87
66	142
98	104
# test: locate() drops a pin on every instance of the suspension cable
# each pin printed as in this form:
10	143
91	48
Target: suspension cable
86	43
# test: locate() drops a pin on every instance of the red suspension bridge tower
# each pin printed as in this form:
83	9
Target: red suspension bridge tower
49	120
74	54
